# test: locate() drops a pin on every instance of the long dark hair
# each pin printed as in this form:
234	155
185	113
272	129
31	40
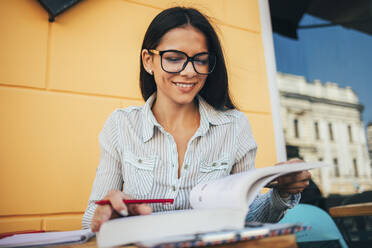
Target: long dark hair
215	90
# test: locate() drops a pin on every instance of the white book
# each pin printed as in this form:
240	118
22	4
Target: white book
46	238
220	204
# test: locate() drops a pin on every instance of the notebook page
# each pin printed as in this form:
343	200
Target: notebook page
239	190
228	192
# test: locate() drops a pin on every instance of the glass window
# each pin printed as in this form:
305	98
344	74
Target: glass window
330	131
350	133
316	129
296	133
337	170
355	168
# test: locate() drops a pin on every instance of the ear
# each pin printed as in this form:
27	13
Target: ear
147	61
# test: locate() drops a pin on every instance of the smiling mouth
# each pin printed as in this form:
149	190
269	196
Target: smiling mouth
185	85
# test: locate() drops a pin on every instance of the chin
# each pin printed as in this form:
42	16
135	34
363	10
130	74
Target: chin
184	100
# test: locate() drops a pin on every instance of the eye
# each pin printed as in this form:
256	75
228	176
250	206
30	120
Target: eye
173	59
202	59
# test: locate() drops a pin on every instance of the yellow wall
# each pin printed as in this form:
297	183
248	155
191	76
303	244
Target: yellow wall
60	81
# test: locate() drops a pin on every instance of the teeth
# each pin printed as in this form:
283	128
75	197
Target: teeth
184	85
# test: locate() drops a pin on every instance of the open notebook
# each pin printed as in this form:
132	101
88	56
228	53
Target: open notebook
46	238
220	204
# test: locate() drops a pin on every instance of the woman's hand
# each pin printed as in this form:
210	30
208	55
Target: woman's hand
116	208
293	183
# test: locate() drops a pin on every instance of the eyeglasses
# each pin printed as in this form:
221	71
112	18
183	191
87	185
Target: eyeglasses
174	61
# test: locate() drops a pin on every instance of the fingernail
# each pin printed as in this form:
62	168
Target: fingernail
124	212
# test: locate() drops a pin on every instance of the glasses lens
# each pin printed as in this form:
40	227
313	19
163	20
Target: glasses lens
204	63
173	61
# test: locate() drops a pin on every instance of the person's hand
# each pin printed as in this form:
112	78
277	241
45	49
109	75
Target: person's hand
116	208
293	183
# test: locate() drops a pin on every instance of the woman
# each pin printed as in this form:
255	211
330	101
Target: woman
187	132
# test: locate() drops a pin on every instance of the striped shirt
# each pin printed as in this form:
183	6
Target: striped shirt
140	158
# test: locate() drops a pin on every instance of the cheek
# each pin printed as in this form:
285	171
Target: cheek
163	78
166	78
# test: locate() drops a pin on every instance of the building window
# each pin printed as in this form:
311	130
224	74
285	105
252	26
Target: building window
330	131
316	129
296	133
355	168
350	134
337	170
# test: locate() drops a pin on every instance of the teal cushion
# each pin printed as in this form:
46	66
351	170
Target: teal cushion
322	225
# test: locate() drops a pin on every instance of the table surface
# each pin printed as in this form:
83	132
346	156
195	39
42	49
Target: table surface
361	209
284	241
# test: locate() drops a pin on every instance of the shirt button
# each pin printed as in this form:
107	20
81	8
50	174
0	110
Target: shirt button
186	166
174	188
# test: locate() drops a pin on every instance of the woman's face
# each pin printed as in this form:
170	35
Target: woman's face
179	88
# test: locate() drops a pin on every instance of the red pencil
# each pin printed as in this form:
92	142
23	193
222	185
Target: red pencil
138	201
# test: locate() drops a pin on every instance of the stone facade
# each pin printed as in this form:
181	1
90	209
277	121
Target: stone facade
324	122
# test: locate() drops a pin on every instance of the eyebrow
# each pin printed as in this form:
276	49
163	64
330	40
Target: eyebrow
155	51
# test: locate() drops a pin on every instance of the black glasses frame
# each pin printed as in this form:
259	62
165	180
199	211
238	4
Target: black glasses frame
189	59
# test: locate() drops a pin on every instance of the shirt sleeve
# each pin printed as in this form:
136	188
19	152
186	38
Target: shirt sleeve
269	207
109	171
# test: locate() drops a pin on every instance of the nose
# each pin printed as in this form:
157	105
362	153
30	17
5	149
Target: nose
189	70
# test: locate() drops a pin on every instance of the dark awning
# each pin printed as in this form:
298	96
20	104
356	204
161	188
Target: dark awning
286	14
56	7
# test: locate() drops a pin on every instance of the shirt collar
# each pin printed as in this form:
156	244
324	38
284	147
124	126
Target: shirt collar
208	115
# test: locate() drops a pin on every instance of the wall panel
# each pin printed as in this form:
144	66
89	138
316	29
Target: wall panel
51	145
95	48
263	132
23	43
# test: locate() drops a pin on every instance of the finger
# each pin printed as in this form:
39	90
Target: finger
295	160
294	187
139	209
117	203
297	184
101	215
284	162
294	177
291	161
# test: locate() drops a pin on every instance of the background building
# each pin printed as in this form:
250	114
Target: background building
324	122
369	138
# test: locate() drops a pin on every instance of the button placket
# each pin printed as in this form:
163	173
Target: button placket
174	156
